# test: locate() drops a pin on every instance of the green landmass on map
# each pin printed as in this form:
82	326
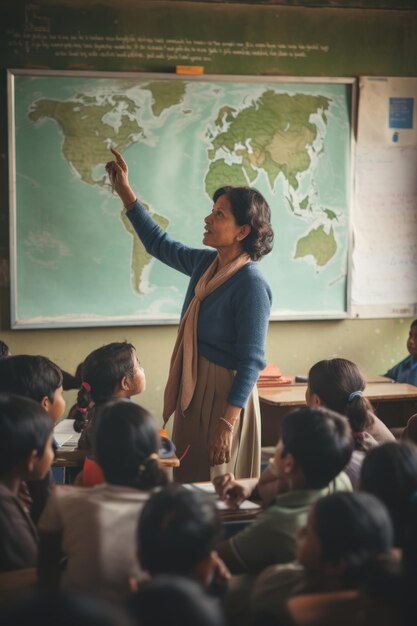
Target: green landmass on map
140	258
225	114
331	214
165	94
87	136
276	133
221	174
320	245
304	203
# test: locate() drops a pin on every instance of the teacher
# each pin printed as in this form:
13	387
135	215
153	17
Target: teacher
220	347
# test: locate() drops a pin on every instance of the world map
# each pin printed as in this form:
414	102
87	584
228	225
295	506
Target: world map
182	139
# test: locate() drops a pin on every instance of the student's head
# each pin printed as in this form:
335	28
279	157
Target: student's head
4	350
25	438
338	385
175	600
34	377
111	371
126	445
390	473
345	534
315	446
412	339
178	532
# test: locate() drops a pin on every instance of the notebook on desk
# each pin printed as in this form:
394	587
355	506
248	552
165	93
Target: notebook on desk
208	488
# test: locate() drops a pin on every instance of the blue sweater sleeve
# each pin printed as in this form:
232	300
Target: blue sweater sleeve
159	244
252	315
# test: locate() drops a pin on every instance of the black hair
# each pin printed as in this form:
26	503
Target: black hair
178	528
24	426
4	350
178	600
320	441
333	381
250	207
102	371
413	323
355	528
31	376
72	381
390	473
126	445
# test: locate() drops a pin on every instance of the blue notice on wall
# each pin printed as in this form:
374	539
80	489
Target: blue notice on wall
401	112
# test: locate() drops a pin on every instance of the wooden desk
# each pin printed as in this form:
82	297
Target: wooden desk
393	402
225	514
68	456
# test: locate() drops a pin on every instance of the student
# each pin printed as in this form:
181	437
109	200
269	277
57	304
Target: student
175	600
178	532
406	370
338	385
95	528
25	454
4	350
315	446
38	378
112	371
345	535
390	473
34	377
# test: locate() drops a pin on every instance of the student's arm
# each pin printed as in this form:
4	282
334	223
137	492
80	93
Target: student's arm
270	485
234	491
50	558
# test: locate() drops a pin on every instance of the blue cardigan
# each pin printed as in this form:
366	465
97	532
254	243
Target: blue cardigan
404	372
233	320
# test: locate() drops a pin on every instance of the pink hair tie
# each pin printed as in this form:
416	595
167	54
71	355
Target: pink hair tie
81	409
86	386
359	435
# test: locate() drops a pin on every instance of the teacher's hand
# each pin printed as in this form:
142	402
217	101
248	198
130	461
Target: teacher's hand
118	176
220	448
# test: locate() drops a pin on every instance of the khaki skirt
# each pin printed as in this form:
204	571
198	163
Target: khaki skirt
195	430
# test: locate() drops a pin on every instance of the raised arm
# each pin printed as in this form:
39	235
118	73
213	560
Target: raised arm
154	238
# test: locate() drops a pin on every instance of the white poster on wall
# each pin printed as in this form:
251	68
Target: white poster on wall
384	257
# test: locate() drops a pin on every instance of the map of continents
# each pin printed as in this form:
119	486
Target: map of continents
291	141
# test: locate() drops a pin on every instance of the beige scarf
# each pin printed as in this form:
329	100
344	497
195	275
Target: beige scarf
183	367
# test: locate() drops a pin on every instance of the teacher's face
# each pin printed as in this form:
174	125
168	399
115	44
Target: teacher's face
221	230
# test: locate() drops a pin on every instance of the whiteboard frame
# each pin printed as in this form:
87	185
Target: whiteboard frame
53	322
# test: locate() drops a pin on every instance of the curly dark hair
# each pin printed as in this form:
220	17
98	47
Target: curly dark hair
250	207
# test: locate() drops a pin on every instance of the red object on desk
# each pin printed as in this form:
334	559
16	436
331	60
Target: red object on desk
271	377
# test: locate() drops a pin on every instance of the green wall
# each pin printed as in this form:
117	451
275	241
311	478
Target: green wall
233	38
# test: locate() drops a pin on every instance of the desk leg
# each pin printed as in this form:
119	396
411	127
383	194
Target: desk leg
271	420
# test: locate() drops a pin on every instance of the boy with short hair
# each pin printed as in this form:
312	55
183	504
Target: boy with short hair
37	378
25	454
406	370
315	445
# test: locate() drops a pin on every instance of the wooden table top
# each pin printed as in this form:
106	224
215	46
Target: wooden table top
294	395
68	455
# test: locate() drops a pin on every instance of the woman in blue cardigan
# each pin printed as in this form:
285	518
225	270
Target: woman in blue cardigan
220	348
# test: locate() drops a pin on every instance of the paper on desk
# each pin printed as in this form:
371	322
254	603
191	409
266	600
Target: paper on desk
208	488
